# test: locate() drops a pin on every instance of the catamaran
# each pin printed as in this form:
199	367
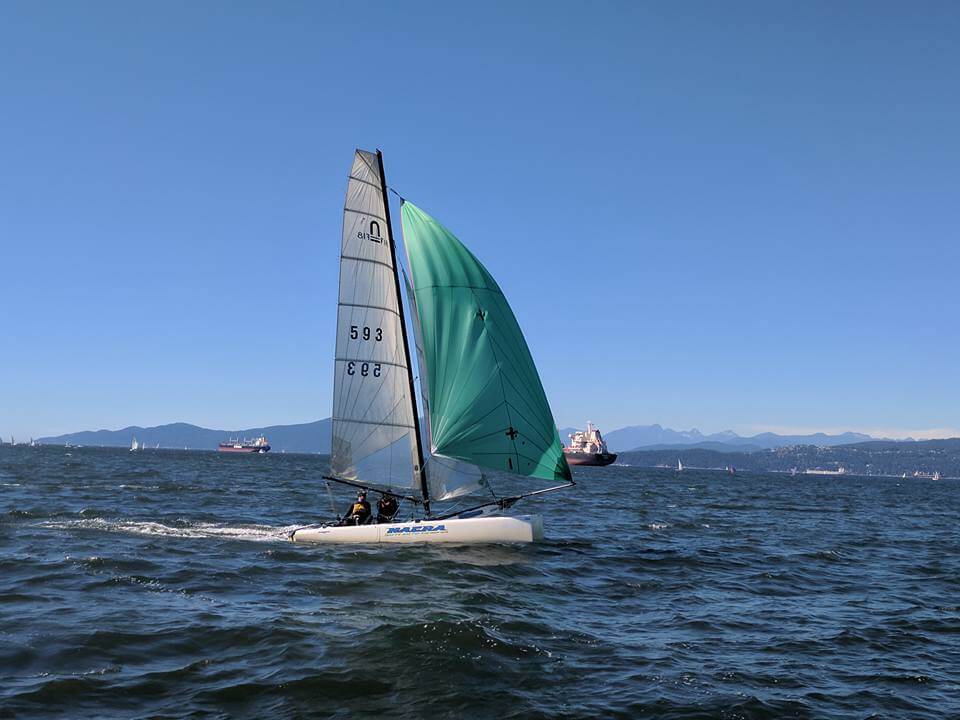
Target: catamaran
483	404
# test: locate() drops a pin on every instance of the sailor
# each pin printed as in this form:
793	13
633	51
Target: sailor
387	508
359	513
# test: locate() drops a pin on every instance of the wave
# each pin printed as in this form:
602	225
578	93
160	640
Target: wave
252	532
179	595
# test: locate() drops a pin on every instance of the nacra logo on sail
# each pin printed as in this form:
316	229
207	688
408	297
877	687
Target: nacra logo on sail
416	529
373	235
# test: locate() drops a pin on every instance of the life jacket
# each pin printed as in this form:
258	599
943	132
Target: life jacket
359	508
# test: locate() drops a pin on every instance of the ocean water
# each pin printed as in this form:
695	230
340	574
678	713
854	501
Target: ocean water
162	584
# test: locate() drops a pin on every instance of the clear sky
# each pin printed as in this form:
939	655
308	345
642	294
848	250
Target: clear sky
721	215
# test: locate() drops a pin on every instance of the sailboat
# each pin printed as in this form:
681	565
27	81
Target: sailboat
134	445
483	404
679	465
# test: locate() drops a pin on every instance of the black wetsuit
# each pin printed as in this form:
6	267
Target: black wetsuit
359	513
387	508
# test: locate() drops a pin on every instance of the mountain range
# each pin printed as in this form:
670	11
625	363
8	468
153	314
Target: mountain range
305	437
646	436
314	437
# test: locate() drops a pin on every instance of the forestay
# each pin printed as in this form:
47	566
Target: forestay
486	404
373	421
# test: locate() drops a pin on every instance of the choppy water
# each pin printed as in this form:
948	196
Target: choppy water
162	584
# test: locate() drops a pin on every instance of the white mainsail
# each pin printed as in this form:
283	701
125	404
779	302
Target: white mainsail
374	428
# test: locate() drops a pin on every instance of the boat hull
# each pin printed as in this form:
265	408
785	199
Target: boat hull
502	529
581	458
259	450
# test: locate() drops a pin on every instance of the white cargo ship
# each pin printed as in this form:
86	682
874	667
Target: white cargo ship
587	447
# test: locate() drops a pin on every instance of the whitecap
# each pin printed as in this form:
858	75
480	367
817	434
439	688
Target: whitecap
254	533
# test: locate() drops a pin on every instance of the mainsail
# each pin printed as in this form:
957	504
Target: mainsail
375	439
486	405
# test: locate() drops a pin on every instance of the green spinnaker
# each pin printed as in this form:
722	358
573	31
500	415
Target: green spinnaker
487	405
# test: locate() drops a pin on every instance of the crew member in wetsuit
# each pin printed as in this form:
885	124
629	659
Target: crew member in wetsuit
387	508
359	513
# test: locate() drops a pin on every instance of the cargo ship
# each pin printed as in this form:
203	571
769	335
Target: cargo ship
817	471
259	445
587	447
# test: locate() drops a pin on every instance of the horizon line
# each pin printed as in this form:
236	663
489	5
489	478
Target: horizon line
899	434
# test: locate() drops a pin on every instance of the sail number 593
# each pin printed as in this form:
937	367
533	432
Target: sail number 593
364	368
366	333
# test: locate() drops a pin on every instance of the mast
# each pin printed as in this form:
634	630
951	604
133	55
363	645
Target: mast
418	470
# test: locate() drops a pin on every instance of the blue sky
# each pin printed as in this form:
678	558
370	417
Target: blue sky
721	215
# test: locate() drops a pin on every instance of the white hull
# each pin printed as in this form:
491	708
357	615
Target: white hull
519	529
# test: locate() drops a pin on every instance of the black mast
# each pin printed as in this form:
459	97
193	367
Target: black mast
418	470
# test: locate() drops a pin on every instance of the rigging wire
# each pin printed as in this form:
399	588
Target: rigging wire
333	507
486	483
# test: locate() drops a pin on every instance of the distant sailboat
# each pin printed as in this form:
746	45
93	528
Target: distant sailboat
679	465
134	446
482	399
